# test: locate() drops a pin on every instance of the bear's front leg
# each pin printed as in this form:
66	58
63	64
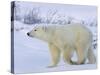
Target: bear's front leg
55	55
67	54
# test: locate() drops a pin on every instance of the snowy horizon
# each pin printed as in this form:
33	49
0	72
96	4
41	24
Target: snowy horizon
84	12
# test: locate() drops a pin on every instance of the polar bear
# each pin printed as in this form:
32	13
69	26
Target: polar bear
66	39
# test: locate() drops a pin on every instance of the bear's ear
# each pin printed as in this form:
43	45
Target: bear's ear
45	28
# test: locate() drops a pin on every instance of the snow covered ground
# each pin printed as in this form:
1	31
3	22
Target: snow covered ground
32	55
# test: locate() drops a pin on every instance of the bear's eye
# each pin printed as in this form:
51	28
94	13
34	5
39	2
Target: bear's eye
35	30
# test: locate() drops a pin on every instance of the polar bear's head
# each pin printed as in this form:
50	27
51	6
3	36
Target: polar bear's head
39	32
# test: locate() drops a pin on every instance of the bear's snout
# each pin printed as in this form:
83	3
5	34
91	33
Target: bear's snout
28	34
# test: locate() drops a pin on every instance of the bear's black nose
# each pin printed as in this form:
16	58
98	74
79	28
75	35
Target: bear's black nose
28	34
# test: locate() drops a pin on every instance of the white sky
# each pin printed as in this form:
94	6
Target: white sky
84	12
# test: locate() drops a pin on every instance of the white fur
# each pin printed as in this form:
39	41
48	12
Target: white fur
66	39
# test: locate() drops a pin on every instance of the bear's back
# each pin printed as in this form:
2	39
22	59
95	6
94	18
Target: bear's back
71	32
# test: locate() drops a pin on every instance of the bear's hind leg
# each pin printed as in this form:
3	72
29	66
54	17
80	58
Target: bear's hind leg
55	55
91	56
81	54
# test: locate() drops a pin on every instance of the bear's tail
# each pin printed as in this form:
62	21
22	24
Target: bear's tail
91	56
